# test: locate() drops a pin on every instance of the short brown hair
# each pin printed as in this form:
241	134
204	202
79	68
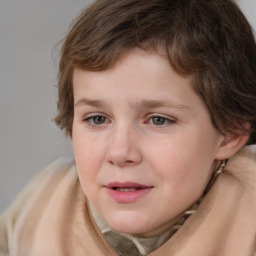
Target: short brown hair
210	39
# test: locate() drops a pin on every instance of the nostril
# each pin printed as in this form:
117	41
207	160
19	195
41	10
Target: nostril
121	163
111	162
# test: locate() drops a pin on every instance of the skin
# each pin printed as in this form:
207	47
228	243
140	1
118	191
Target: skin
142	122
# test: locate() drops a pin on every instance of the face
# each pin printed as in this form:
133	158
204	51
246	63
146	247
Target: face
143	141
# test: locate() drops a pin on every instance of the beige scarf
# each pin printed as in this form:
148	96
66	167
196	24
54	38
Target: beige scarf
52	218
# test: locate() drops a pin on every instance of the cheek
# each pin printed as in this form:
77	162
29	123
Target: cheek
172	156
87	149
183	165
88	157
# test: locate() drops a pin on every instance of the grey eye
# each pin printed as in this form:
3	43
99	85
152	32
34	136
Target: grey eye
98	119
158	120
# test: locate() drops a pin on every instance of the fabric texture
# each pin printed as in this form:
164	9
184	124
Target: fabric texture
52	217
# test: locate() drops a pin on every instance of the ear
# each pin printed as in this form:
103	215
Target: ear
230	144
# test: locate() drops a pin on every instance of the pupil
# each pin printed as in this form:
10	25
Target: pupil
158	120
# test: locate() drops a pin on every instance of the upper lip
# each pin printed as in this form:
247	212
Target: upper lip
127	184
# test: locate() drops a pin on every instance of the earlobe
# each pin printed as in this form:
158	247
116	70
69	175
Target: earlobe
230	144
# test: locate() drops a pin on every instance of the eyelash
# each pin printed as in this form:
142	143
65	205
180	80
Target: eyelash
167	120
90	120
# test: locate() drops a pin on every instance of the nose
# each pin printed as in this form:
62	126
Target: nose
124	149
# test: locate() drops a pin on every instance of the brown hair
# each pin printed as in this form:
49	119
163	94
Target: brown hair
210	39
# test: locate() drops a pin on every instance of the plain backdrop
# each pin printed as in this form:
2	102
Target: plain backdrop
29	139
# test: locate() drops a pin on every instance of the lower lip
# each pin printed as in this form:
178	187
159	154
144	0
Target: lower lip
128	197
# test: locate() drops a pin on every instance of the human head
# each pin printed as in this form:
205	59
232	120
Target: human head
139	139
211	40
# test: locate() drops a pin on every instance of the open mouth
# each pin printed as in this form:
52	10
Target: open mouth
127	192
126	189
127	186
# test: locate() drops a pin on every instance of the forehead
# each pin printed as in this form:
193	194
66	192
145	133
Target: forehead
136	64
140	79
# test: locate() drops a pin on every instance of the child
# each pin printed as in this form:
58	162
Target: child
156	96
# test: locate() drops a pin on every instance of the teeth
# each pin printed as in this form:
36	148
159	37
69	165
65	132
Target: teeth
126	189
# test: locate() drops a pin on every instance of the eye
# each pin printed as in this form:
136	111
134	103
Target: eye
160	121
96	120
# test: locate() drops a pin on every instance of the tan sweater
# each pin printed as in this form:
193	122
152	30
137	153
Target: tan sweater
51	217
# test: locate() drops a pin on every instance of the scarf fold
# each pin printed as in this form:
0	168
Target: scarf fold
56	220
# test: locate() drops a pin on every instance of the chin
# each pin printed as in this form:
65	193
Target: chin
128	224
131	229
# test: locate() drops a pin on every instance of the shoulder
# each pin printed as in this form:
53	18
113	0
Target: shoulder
36	195
50	175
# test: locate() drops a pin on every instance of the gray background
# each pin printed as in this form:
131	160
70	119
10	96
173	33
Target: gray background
29	140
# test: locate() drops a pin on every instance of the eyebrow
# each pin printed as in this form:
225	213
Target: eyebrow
147	104
161	103
93	103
